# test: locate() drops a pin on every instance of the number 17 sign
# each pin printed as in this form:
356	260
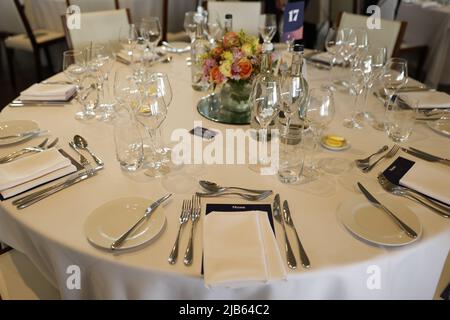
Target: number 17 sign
293	21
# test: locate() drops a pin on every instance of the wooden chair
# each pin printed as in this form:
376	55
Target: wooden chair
97	27
94	5
390	35
30	41
20	280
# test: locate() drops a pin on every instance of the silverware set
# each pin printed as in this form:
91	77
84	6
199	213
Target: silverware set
366	166
426	156
214	190
191	210
285	219
87	172
29	150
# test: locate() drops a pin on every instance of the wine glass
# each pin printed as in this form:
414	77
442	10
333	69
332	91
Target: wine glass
190	24
74	65
152	32
265	100
332	48
393	78
293	96
87	97
357	84
128	39
267	26
151	113
347	40
320	112
126	90
213	32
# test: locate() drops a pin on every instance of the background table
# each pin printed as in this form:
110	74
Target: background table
429	27
51	232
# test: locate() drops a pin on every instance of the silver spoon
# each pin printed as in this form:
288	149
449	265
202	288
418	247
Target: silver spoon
214	187
81	143
361	163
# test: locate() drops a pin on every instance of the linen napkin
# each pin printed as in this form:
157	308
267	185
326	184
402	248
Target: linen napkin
430	180
427	99
325	57
26	173
240	250
48	92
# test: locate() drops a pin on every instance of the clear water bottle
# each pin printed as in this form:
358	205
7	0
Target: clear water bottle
199	47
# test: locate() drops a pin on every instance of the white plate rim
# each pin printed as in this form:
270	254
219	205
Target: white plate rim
342	216
125	246
33	126
430	124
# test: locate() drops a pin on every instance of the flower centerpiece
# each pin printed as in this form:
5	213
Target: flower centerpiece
231	66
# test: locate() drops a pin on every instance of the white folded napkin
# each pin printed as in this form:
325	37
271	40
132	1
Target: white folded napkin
240	250
429	179
427	99
48	92
137	55
33	170
326	57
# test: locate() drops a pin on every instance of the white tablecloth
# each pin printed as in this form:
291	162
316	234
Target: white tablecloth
429	27
47	14
51	233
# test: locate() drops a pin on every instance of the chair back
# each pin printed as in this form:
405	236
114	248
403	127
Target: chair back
97	27
388	9
94	5
245	14
10	19
390	35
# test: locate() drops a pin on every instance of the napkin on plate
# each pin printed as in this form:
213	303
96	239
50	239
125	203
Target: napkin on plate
28	172
427	99
240	249
430	180
48	92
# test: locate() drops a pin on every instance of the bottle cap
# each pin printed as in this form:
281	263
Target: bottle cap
228	16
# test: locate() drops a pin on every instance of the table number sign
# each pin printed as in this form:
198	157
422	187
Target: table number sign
294	16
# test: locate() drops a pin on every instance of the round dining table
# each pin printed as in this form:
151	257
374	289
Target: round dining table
51	232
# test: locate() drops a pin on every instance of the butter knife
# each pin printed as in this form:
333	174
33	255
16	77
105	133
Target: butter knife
410	232
288	219
292	263
432	158
116	244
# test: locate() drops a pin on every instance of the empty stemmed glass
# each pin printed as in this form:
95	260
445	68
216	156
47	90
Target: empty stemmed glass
267	26
213	31
393	78
151	113
332	48
151	30
265	100
357	83
74	65
128	39
87	97
190	26
126	90
347	40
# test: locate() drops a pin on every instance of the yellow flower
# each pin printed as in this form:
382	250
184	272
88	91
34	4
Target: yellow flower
227	56
247	49
225	68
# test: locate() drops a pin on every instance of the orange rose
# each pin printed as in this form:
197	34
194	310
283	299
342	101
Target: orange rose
245	67
230	39
216	52
216	75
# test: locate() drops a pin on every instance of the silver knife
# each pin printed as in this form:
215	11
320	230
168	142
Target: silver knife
432	158
410	232
40	195
116	244
292	263
288	219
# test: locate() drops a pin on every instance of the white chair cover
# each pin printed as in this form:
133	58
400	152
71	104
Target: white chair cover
245	14
386	36
98	27
94	5
388	8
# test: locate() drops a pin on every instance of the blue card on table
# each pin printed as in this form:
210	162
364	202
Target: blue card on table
294	17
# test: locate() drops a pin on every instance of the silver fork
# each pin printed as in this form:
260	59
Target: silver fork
250	197
388	155
195	215
362	163
39	148
184	218
410	194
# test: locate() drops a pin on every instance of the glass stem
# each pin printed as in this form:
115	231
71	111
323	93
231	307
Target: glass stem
263	148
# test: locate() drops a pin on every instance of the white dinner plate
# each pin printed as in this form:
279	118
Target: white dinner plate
9	128
372	224
441	126
109	221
